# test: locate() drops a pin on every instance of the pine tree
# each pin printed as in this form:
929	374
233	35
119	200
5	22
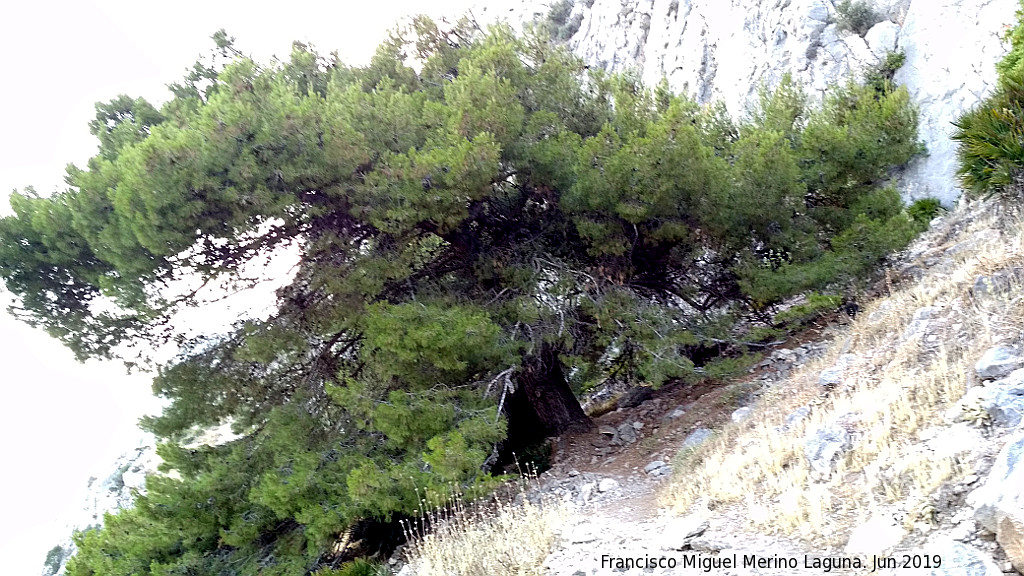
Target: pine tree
480	237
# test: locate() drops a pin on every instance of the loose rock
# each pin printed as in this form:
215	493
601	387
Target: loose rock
998	362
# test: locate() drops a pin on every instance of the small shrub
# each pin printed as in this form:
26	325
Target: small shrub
990	139
924	211
566	31
880	76
536	457
856	16
724	368
559	12
1014	59
816	306
53	559
604	407
764	334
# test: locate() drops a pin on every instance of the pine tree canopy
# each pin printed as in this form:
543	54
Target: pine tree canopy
486	227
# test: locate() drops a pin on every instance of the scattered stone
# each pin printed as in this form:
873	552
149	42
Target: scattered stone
607	430
834	375
607	484
651	467
638	426
697	437
823	448
678	533
796	416
998	283
998	362
573	473
741	414
586	492
675	414
919	322
624	434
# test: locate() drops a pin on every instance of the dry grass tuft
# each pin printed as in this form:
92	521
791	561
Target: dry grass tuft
900	385
505	538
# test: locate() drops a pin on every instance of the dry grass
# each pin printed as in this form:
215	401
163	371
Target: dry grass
899	386
510	537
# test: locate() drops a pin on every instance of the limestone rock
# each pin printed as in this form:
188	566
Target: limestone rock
658	468
823	448
919	322
679	532
833	375
796	416
675	413
999	504
741	414
998	283
997	362
1002	399
881	38
652	466
624	434
607	484
697	437
112	493
950	46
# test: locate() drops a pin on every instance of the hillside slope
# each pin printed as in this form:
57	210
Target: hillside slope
904	437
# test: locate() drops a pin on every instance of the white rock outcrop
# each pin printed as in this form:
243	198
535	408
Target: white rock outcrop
725	49
951	47
114	492
999	504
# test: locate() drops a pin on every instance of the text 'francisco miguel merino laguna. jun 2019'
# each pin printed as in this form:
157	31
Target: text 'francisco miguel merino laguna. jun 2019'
709	563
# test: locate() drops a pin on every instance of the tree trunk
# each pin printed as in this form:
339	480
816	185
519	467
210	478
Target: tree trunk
543	405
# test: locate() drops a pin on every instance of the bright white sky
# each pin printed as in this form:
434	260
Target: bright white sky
61	421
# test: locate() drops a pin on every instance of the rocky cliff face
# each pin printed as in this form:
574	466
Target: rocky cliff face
117	490
109	494
724	49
